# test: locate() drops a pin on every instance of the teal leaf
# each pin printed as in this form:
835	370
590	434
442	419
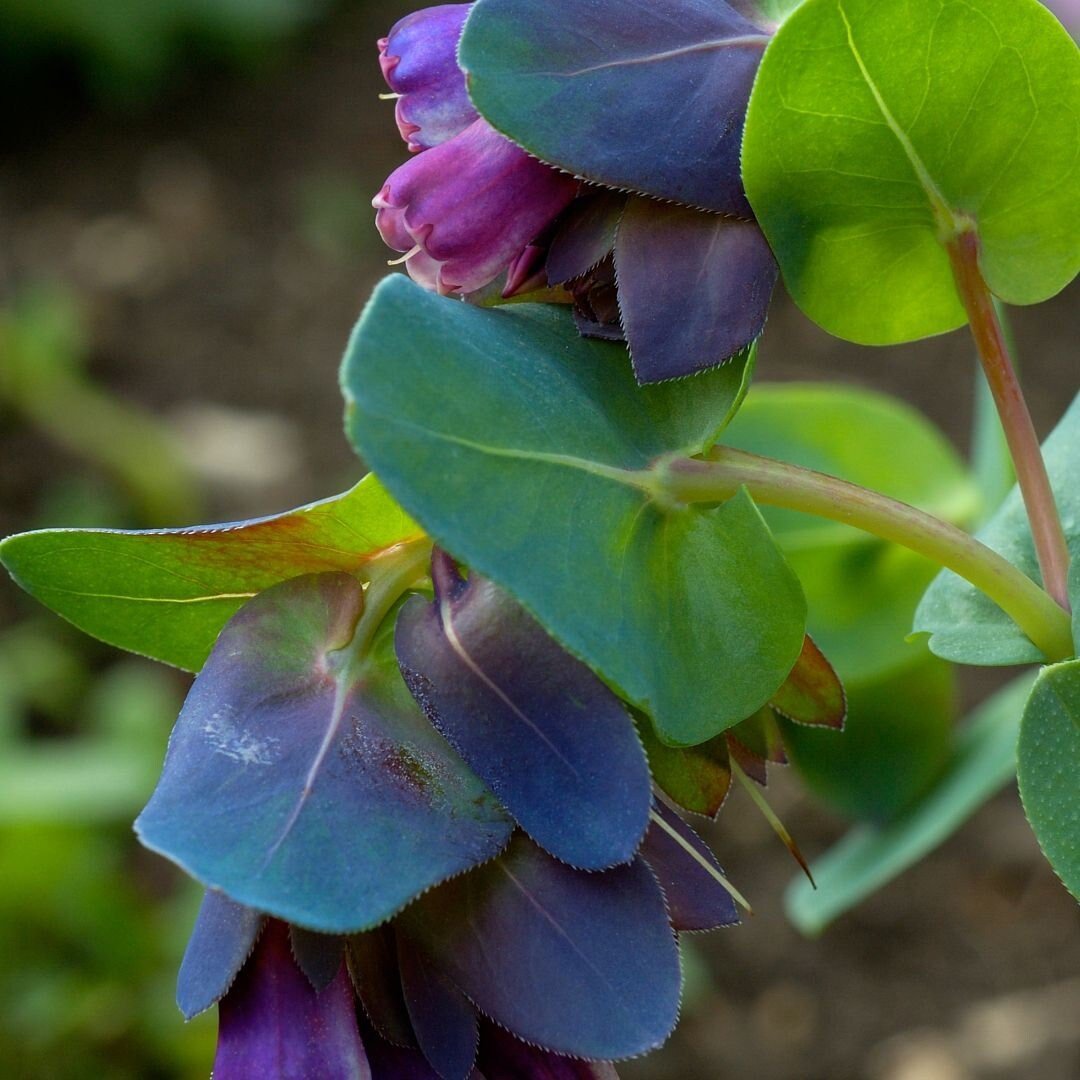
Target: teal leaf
870	857
964	625
167	593
876	128
303	780
578	83
524	449
1049	768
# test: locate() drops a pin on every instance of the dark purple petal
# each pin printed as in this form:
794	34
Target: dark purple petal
695	899
556	746
584	964
318	956
274	1025
444	1022
503	1056
419	61
585	235
471	206
373	966
224	934
694	288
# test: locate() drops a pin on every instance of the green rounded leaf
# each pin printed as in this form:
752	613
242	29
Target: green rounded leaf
1048	768
524	448
167	593
873	127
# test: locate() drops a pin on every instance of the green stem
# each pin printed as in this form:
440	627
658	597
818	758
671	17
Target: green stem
777	483
1046	530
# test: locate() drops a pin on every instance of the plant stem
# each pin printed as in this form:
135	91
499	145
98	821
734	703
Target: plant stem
777	483
1046	530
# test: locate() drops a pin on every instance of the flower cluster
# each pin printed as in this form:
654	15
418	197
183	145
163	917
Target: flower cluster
469	204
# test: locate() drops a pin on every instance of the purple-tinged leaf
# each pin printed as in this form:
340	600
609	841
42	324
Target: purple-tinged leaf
695	899
390	1062
596	302
583	964
748	746
274	1025
584	235
318	956
166	593
760	735
694	288
697	778
813	693
443	1021
373	967
551	740
503	1056
641	96
302	779
224	934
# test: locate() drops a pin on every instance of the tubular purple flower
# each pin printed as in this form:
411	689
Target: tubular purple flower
419	62
273	1023
466	209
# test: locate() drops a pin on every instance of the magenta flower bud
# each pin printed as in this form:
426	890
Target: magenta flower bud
272	1022
466	209
419	62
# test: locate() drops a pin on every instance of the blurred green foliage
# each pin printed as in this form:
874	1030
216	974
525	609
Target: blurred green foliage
126	49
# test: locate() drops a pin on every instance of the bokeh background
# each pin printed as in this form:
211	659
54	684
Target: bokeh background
185	240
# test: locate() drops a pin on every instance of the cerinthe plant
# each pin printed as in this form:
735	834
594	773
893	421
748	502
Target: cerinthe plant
442	723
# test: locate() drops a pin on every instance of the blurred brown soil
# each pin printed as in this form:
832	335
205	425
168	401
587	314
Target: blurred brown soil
223	248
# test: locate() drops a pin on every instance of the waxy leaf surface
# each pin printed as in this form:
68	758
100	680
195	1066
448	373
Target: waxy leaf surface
582	964
304	781
167	593
695	899
869	857
273	1024
553	743
866	115
224	934
446	1026
694	288
1048	768
628	93
520	450
964	625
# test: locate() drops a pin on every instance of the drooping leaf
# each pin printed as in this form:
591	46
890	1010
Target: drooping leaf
694	288
644	97
224	934
910	119
861	592
695	899
373	966
553	743
696	778
318	956
581	964
897	738
167	593
966	627
303	780
868	858
812	694
444	1022
585	235
520	417
268	1017
1049	768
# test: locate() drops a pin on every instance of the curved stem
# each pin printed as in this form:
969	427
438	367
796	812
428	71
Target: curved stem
777	483
1046	530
